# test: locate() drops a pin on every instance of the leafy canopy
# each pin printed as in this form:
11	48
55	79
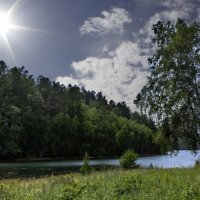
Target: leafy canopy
171	96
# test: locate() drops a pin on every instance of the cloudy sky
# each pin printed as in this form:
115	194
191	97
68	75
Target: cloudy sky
99	44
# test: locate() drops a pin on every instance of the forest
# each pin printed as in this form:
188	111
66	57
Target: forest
44	119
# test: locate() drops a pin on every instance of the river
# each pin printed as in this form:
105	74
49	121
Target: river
182	159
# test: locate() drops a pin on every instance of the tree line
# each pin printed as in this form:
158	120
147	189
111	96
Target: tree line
40	118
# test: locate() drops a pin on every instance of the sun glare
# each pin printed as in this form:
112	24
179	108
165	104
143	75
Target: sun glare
5	24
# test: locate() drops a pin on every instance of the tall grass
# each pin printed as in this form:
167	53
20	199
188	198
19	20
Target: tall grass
172	184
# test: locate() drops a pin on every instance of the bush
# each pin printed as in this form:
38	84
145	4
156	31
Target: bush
86	168
4	192
73	191
127	160
150	166
197	163
128	184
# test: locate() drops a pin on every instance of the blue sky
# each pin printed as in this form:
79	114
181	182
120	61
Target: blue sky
99	44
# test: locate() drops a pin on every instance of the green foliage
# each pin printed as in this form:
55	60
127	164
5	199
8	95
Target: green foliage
128	185
140	184
73	191
197	163
163	141
172	95
4	192
86	168
127	160
46	119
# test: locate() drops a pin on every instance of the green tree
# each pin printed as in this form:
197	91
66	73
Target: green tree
172	95
46	119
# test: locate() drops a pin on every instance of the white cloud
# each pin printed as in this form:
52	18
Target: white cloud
120	76
67	80
174	9
184	5
121	73
162	16
112	21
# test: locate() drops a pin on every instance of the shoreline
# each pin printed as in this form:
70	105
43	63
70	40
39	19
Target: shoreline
70	159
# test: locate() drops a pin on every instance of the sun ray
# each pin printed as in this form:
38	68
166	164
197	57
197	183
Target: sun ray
9	48
13	7
6	24
26	28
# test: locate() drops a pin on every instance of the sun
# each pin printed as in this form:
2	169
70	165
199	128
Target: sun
5	24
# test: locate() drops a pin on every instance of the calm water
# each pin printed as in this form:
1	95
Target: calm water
182	159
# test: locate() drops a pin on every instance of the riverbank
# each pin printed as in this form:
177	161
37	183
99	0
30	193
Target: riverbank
19	160
63	158
117	184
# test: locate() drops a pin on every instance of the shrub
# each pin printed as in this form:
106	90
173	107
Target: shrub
86	168
128	184
197	163
4	192
73	191
150	166
127	160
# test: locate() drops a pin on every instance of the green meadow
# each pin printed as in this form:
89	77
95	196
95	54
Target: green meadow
116	184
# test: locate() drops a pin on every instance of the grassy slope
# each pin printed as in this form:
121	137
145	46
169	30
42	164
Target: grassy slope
116	184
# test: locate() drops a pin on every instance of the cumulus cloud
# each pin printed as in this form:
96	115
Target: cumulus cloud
120	76
121	73
112	21
175	9
185	5
67	80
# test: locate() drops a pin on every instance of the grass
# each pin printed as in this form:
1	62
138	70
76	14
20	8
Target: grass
172	184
